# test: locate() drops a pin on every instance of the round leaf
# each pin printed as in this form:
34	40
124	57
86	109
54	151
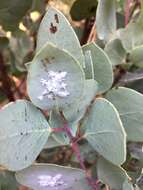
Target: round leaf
136	56
56	29
129	104
53	60
52	177
110	174
116	52
103	127
23	134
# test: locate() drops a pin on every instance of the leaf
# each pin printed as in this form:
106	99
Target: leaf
20	45
106	19
129	104
102	131
103	73
127	185
136	56
110	174
23	134
115	51
7	180
12	11
129	37
83	9
56	29
75	112
57	122
50	176
53	59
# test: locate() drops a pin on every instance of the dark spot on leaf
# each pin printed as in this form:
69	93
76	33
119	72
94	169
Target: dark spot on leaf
25	112
21	133
53	29
25	157
56	18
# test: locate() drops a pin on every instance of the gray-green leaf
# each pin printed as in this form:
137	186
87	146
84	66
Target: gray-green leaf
104	131
102	67
115	51
23	134
106	19
51	177
49	65
110	174
129	104
56	29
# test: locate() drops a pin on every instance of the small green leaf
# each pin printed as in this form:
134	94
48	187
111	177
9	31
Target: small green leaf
56	121
136	56
23	134
131	36
56	29
103	127
103	73
115	51
83	9
75	112
129	104
110	174
106	19
50	176
54	61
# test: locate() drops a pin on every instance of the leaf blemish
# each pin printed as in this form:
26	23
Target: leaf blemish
56	18
53	29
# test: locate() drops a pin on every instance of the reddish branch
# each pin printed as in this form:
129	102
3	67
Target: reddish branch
127	11
74	145
5	79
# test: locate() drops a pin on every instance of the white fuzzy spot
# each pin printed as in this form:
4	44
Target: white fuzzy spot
54	85
49	181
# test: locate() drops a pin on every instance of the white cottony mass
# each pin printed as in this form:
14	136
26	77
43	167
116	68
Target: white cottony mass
49	181
54	85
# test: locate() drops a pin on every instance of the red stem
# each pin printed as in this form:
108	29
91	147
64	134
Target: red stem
66	129
127	11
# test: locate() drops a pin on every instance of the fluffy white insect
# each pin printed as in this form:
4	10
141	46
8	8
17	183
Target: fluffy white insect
54	85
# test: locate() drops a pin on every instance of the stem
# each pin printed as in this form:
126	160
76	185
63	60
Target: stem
6	81
74	145
127	11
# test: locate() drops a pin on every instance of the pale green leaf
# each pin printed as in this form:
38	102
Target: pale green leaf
41	176
110	174
104	131
102	67
76	111
56	29
53	59
136	56
131	36
129	104
115	51
106	19
23	134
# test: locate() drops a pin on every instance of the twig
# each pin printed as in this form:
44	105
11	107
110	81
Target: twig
6	81
74	145
127	11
